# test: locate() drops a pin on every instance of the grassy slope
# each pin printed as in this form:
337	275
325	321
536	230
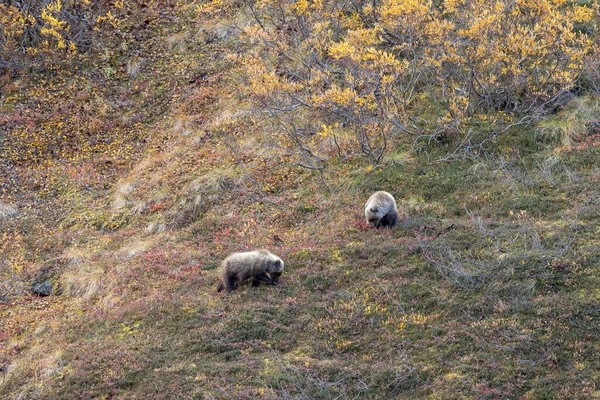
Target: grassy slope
488	289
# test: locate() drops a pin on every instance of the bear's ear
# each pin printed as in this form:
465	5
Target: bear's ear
278	264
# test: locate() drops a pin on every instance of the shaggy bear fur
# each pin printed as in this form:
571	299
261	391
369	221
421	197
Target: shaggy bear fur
260	265
381	210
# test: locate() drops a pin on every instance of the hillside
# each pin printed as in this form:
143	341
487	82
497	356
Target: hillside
174	133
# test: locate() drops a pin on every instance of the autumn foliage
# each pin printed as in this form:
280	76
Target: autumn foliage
345	77
142	141
42	33
51	34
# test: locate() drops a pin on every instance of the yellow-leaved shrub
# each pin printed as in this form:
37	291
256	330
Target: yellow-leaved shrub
370	70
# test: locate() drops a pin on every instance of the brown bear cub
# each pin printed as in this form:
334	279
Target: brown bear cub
260	265
381	210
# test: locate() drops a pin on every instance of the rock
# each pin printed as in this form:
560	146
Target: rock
42	289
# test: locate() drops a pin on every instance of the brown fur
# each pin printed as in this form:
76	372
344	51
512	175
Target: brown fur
258	265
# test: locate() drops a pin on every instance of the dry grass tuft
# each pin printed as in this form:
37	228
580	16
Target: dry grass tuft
132	250
133	67
574	122
399	158
176	41
82	281
155	227
7	210
76	257
217	181
121	199
53	364
119	203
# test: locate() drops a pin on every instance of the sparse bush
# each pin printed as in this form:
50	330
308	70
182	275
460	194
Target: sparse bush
338	78
41	31
45	33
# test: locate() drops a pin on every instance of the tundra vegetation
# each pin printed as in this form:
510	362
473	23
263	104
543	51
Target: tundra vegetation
143	141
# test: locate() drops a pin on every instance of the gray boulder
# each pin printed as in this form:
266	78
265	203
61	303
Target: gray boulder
42	289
